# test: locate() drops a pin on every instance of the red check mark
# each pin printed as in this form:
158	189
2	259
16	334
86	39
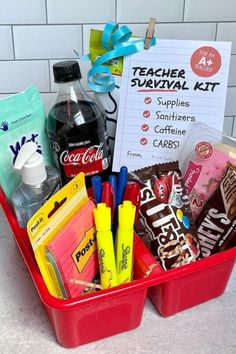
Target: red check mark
146	114
147	100
143	141
145	127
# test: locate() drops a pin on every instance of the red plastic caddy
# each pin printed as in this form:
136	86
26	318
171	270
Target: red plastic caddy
192	284
98	315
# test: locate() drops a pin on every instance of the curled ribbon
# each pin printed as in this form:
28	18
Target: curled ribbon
117	41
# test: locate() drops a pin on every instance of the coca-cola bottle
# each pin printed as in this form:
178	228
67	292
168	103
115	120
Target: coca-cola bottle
77	127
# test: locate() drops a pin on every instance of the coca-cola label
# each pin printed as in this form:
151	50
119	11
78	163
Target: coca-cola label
89	160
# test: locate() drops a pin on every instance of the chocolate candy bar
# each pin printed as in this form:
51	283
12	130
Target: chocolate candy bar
217	222
228	190
166	224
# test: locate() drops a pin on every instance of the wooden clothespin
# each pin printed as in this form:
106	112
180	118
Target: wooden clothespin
149	33
85	283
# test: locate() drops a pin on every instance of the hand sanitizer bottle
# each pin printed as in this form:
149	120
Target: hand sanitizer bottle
38	183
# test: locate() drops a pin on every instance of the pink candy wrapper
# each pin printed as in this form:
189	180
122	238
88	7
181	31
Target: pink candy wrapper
203	160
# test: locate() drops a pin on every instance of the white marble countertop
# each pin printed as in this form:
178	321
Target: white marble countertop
24	326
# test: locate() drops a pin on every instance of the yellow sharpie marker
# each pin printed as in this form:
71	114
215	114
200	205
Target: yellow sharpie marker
124	241
106	254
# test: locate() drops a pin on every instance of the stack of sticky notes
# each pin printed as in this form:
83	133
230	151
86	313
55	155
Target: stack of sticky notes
74	251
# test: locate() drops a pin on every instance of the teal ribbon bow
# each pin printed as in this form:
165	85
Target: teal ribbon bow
117	41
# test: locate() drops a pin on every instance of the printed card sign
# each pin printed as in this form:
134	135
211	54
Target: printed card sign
163	90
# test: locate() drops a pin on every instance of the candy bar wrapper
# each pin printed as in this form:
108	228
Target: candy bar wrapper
203	158
217	222
166	225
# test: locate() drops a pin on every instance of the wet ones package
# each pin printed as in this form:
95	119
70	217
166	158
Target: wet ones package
217	222
165	223
22	119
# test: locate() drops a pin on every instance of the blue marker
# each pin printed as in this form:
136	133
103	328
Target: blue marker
122	181
97	188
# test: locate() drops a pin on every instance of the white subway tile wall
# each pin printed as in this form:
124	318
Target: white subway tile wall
43	42
80	11
226	32
22	12
141	10
192	31
6	51
232	71
35	34
230	102
17	75
210	10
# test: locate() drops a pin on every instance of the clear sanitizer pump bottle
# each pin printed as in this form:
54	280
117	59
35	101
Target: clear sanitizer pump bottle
38	183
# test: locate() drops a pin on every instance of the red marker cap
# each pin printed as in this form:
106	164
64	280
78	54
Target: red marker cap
132	193
108	196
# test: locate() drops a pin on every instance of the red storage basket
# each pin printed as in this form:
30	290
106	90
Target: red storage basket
192	284
111	311
93	316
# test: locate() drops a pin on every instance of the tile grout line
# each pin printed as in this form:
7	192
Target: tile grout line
216	30
82	41
49	76
102	23
13	43
38	59
116	6
183	11
46	11
232	128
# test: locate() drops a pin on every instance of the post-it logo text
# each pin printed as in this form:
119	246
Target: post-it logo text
85	249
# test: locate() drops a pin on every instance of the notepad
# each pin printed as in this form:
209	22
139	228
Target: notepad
163	90
74	250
